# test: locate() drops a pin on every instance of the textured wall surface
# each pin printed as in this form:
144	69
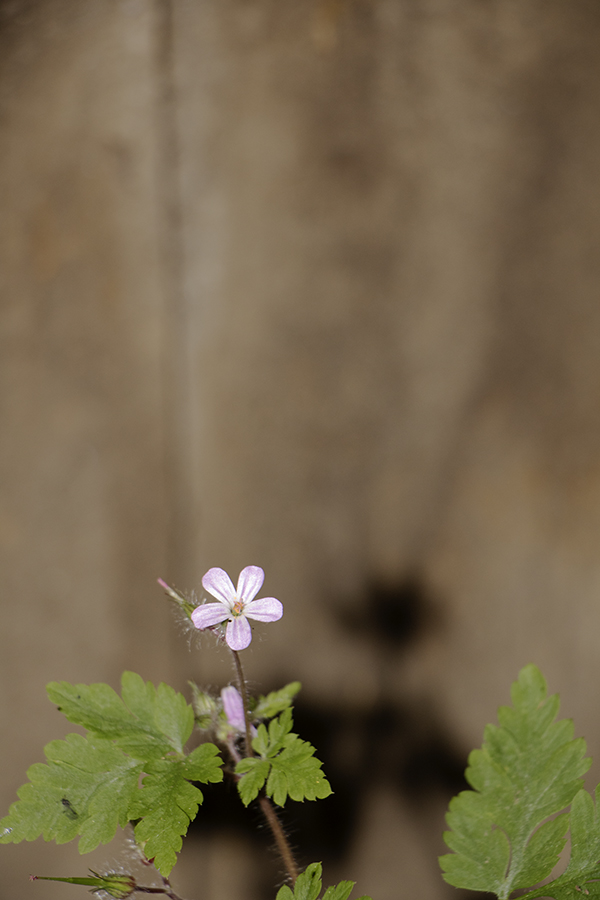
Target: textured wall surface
312	286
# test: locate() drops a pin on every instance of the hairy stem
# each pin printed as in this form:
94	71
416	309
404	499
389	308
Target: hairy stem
244	695
285	851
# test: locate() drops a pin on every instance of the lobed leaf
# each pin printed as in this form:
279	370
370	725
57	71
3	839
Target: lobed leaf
254	772
147	722
91	784
167	803
295	772
287	766
308	883
85	789
583	871
528	769
308	887
341	891
275	702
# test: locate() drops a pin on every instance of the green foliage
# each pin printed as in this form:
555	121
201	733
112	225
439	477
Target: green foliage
285	763
147	723
168	803
528	770
308	887
275	702
90	785
584	865
85	789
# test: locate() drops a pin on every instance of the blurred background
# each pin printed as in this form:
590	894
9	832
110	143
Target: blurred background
310	285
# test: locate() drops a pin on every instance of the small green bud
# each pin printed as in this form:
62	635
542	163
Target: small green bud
205	707
118	886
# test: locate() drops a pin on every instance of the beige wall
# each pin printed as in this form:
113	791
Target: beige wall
312	287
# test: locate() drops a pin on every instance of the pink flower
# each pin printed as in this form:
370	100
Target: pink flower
236	605
233	708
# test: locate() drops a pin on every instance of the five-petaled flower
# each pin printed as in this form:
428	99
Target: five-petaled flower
236	605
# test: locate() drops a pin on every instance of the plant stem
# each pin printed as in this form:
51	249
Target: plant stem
285	851
167	890
244	696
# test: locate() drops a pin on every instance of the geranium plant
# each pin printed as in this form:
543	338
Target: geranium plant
132	768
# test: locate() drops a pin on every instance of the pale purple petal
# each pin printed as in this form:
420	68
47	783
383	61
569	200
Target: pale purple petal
267	609
209	614
249	583
239	633
233	707
219	584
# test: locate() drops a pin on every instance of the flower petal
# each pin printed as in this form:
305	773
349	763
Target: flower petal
233	707
267	609
239	633
249	583
209	614
218	583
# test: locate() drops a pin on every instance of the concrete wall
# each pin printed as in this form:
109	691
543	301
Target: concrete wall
311	286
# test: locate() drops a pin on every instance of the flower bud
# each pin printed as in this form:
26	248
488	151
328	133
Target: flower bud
205	707
118	886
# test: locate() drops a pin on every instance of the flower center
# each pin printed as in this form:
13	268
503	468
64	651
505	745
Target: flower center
237	608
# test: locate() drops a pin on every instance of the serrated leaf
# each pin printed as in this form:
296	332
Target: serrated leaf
276	701
583	871
85	789
288	766
166	805
279	728
147	723
268	742
203	764
308	883
260	744
341	891
528	769
296	772
255	772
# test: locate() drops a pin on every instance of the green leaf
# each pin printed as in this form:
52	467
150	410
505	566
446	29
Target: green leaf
85	789
275	702
308	883
340	892
583	871
203	764
285	893
255	772
296	772
147	723
308	887
270	742
168	803
288	766
528	769
260	744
